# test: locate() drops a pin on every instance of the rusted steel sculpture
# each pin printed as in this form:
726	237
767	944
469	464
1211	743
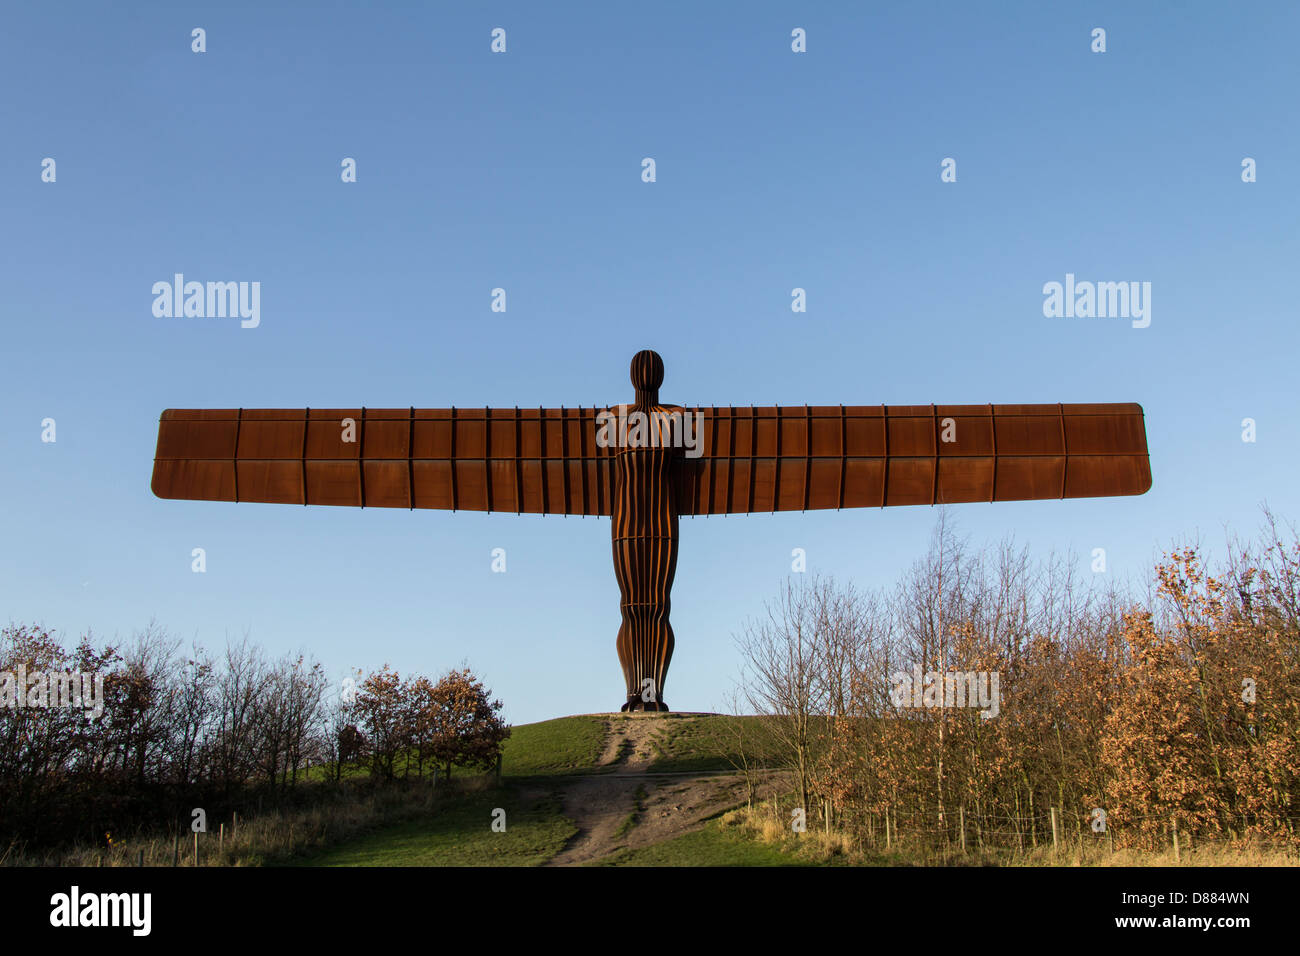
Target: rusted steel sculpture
645	464
645	535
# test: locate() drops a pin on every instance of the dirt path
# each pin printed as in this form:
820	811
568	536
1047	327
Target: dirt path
666	805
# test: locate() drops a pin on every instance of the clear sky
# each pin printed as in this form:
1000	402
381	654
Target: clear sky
522	170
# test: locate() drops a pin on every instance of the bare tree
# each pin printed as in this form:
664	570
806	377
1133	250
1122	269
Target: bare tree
783	678
196	702
240	691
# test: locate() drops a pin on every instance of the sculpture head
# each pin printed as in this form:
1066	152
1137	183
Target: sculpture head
647	376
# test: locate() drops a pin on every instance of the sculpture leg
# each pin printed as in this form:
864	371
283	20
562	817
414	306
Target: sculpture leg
644	567
645	648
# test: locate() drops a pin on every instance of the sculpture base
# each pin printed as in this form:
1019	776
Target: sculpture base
634	702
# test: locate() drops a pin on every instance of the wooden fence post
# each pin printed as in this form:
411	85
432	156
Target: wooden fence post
221	840
1173	825
889	843
1054	844
196	847
176	848
961	817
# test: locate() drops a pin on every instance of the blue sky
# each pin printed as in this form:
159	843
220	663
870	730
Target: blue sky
522	170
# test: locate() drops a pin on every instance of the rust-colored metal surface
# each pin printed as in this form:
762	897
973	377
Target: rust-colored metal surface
812	457
645	543
532	461
674	461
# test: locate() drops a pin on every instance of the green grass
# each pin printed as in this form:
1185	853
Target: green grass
568	745
711	846
458	832
563	745
697	744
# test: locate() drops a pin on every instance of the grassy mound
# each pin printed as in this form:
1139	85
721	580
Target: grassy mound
560	746
458	831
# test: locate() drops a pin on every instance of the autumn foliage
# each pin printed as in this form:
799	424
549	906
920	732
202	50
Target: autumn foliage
414	723
181	727
1178	709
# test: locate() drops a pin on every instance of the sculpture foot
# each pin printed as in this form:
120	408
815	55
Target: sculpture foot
634	702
